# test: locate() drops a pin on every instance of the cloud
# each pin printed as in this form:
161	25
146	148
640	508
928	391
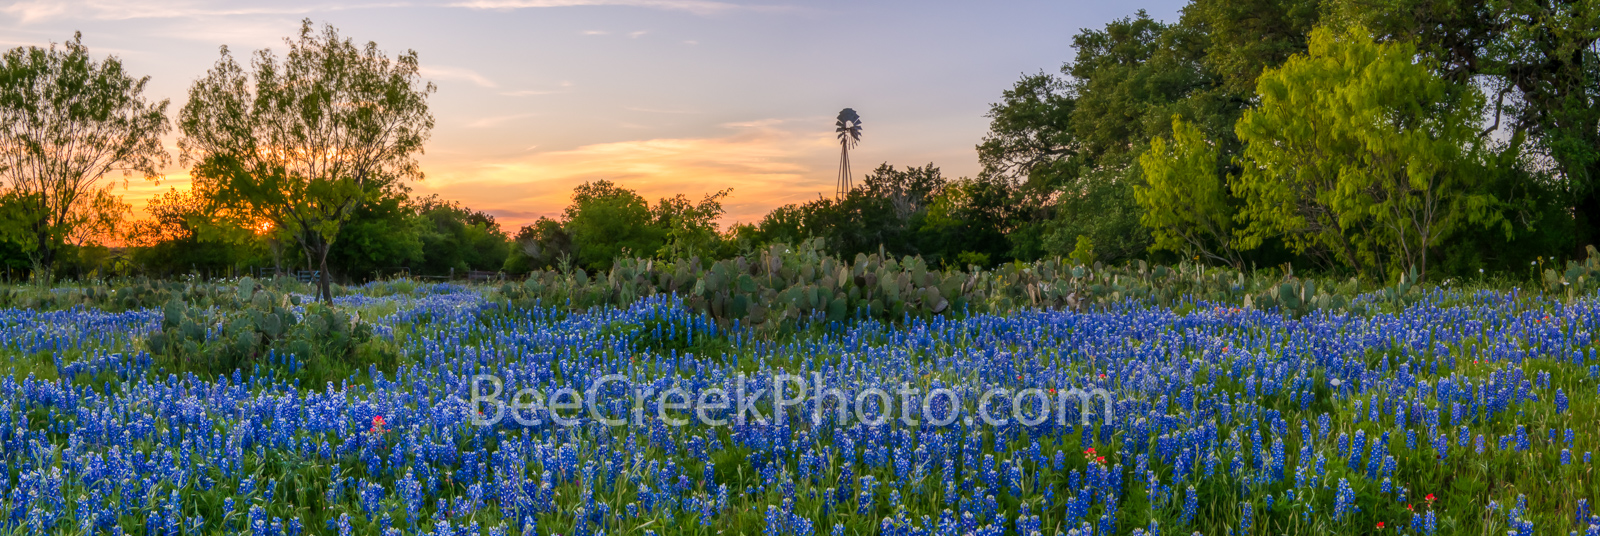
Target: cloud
36	10
528	92
58	38
659	111
637	34
531	92
493	121
765	164
595	32
457	73
698	7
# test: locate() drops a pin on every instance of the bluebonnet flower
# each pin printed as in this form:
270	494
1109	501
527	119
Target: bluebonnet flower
1191	504
864	500
1344	500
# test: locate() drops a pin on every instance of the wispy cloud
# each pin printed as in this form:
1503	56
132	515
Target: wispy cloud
457	73
595	32
765	163
659	111
529	92
698	7
57	39
637	34
565	84
497	120
36	10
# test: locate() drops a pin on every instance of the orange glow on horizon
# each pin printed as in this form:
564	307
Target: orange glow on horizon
765	165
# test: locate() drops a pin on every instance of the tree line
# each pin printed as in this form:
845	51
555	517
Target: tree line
1360	139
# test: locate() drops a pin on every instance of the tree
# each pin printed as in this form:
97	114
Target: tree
1071	142
1030	136
1185	201
691	228
1541	62
456	238
67	121
301	142
968	221
186	231
1244	37
97	220
784	224
884	211
1360	153
540	245
607	221
381	236
1100	206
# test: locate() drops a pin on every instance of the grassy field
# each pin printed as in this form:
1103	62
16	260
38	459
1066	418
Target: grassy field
1464	411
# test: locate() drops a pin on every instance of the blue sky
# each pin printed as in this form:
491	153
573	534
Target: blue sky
663	96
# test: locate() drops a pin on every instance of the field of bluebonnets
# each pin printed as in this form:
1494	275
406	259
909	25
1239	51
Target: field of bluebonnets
1252	403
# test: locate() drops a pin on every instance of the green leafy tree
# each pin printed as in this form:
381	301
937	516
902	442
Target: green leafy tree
1082	251
1540	63
607	221
14	259
1361	153
1241	38
67	121
380	238
540	245
186	231
1030	136
784	224
968	220
302	141
459	239
1101	206
1072	141
691	228
1184	199
886	210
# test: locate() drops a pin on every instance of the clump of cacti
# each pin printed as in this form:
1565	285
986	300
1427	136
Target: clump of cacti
782	284
1577	278
249	324
135	293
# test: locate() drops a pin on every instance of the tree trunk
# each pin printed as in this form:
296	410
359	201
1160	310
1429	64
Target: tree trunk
277	256
323	286
44	262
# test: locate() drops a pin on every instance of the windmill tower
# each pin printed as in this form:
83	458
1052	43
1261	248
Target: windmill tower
849	129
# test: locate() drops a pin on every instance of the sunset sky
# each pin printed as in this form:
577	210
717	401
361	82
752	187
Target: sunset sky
662	96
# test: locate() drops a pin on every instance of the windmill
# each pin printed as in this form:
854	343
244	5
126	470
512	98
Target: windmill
849	129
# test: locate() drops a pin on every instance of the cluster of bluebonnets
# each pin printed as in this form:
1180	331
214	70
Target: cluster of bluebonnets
1464	413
